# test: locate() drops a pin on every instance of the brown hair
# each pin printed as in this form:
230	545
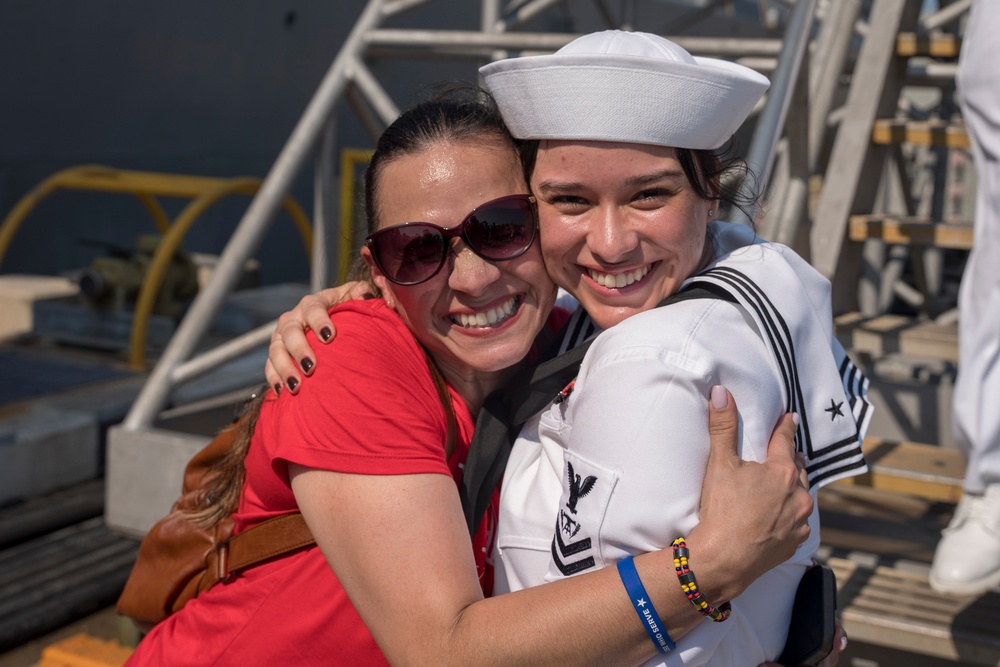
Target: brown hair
229	472
457	112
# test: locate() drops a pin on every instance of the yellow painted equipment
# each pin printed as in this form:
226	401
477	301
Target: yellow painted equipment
146	187
82	650
351	159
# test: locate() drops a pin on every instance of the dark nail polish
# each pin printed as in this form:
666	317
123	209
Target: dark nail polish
325	334
292	383
277	389
307	364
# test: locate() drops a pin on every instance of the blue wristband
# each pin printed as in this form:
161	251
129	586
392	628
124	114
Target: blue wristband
643	607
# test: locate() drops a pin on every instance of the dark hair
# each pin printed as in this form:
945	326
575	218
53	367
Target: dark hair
456	113
713	174
452	113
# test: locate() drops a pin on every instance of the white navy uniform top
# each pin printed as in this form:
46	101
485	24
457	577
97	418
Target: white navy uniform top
617	467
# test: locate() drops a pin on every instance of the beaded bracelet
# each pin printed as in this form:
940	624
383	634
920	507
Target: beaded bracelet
643	606
690	586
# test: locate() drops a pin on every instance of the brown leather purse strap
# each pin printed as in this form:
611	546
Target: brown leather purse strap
264	541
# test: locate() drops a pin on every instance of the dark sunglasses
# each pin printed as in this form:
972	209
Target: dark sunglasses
413	252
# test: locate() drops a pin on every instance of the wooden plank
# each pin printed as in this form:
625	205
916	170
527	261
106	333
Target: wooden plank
887	334
856	518
895	607
937	46
914	231
920	133
915	469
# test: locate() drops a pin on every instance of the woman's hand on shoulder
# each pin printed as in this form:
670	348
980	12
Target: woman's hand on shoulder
772	497
290	357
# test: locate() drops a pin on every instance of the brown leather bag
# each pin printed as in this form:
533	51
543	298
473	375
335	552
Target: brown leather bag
178	559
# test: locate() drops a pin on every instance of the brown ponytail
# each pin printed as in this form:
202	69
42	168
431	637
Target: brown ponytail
229	471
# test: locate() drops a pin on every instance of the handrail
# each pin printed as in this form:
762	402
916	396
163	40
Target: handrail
231	349
155	211
763	147
250	231
171	242
789	189
827	64
470	41
943	16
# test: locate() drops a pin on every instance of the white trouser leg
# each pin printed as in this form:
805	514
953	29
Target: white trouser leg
967	559
977	394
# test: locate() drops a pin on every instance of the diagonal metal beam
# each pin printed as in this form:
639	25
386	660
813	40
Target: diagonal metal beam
855	163
252	227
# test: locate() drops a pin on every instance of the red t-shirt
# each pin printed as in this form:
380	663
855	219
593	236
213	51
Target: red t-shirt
370	408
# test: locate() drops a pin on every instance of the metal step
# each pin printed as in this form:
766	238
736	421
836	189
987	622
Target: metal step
914	469
35	517
879	533
891	604
910	44
881	335
50	581
920	133
912	231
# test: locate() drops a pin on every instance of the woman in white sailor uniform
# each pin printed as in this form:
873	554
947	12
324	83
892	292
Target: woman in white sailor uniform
617	465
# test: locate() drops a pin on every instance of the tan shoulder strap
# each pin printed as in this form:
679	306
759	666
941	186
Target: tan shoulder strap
264	541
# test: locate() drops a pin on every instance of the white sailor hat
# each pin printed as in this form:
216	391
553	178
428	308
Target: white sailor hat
630	87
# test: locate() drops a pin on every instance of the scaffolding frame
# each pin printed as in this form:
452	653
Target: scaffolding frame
350	78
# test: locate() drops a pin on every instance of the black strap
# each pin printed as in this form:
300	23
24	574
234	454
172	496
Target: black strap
500	420
505	411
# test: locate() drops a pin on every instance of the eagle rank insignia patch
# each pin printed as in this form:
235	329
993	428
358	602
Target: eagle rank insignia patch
587	489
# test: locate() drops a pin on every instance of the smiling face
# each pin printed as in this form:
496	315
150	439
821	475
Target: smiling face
621	227
474	315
